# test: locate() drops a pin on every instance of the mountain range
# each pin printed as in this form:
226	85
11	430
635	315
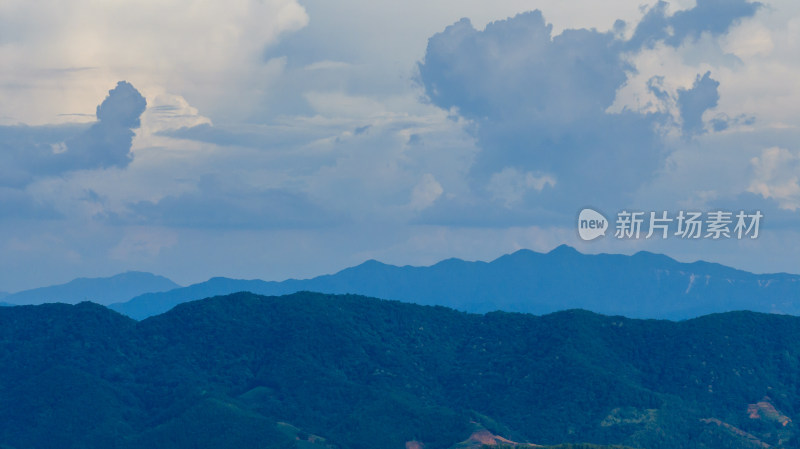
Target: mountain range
316	371
644	285
104	291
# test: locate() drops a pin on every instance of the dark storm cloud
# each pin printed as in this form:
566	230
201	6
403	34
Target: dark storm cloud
30	152
108	142
693	102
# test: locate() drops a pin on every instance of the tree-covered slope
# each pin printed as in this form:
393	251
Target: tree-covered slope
314	370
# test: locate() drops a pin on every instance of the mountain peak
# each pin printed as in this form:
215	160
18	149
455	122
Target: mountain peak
564	250
368	264
373	262
134	274
654	257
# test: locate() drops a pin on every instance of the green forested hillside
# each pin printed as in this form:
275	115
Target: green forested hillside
310	370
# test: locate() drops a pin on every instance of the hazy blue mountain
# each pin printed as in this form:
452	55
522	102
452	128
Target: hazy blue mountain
644	285
121	287
315	371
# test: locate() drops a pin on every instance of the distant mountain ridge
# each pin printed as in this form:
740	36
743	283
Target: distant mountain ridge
644	285
103	291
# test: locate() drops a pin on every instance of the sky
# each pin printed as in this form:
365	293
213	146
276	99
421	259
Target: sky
290	138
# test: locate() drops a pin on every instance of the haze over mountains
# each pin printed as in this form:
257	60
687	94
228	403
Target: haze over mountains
99	290
314	371
644	285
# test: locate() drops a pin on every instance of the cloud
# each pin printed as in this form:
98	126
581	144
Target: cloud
272	136
395	162
426	192
30	152
722	121
268	133
227	204
539	105
510	186
693	102
715	17
776	217
143	243
108	142
514	66
207	52
21	204
24	148
546	105
122	108
776	175
487	212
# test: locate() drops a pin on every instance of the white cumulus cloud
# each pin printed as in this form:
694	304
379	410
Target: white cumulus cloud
777	176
